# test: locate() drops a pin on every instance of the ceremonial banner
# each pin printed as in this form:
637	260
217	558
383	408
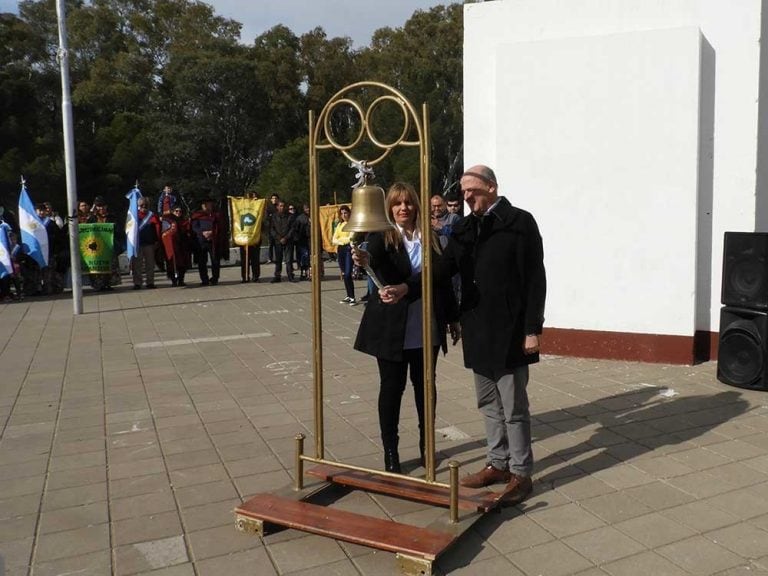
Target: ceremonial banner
328	218
34	236
96	247
247	218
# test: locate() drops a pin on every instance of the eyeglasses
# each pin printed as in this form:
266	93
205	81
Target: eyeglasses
452	205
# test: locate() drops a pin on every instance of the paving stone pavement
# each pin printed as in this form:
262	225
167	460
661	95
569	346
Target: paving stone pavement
129	433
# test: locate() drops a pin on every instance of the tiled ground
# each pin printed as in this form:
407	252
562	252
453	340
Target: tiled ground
129	433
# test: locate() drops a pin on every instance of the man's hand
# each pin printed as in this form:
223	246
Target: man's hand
531	344
455	330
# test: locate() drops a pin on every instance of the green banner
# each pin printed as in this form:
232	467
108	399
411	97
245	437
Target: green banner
96	247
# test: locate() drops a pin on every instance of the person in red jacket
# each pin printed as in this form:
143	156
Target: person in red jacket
176	243
210	233
149	237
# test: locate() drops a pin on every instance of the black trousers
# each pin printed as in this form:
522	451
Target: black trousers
393	376
283	254
254	255
206	251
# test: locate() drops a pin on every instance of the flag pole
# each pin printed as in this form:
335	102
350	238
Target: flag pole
69	161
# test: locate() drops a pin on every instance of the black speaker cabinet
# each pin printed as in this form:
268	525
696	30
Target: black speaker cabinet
745	270
742	355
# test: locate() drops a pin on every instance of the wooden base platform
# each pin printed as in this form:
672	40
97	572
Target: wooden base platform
416	547
469	499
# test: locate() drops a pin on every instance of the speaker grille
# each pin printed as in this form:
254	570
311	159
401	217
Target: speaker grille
741	356
745	270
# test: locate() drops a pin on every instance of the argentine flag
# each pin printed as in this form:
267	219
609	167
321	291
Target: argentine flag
6	267
132	222
34	237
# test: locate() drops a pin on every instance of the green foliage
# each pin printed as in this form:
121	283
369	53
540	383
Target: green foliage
163	91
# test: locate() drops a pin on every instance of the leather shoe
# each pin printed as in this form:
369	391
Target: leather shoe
487	476
516	491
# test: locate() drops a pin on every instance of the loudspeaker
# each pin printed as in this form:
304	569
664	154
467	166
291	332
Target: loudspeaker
742	355
745	270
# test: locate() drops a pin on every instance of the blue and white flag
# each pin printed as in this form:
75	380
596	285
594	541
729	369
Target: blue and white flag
34	236
132	222
6	266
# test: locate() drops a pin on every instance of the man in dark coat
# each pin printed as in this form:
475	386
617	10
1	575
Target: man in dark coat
281	232
498	252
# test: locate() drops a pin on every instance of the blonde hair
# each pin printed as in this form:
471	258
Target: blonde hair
398	192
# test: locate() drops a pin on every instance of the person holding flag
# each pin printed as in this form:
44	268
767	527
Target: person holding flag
6	264
34	236
34	243
148	236
247	221
104	281
176	234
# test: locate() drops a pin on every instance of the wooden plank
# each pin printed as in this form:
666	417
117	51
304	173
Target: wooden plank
469	498
348	526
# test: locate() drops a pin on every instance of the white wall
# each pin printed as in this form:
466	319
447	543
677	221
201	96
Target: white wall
574	101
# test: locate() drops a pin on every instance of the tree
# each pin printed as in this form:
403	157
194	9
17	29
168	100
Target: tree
424	61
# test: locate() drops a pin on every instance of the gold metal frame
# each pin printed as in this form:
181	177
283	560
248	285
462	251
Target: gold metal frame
415	133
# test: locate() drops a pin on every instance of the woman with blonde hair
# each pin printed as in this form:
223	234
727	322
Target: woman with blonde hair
391	326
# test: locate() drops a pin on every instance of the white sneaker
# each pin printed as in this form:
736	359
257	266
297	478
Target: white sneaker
353	302
346	300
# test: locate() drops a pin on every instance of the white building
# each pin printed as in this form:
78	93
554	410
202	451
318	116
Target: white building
632	130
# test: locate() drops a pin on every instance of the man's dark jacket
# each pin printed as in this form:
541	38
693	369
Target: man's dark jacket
501	262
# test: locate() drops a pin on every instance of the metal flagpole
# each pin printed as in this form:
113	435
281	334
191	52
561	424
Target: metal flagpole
69	161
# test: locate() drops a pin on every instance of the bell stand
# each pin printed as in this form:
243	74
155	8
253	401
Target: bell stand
416	548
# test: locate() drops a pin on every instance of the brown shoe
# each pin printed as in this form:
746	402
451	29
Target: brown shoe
516	491
487	476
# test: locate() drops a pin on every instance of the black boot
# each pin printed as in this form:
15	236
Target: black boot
392	461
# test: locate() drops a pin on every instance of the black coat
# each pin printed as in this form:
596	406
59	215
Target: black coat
382	328
501	263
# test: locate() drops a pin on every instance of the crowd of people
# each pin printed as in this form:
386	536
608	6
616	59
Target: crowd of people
171	239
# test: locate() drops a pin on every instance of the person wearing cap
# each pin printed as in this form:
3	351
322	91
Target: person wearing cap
149	237
497	250
210	234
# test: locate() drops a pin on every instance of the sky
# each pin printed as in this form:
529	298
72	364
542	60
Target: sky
357	19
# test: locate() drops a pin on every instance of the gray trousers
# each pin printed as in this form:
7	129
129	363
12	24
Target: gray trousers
145	257
504	406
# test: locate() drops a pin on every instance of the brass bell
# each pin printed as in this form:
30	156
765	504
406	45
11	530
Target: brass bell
369	211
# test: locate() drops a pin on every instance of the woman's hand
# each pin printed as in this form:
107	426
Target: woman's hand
454	328
393	294
360	257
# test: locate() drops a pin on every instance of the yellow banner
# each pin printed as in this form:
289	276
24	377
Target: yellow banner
329	217
247	218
